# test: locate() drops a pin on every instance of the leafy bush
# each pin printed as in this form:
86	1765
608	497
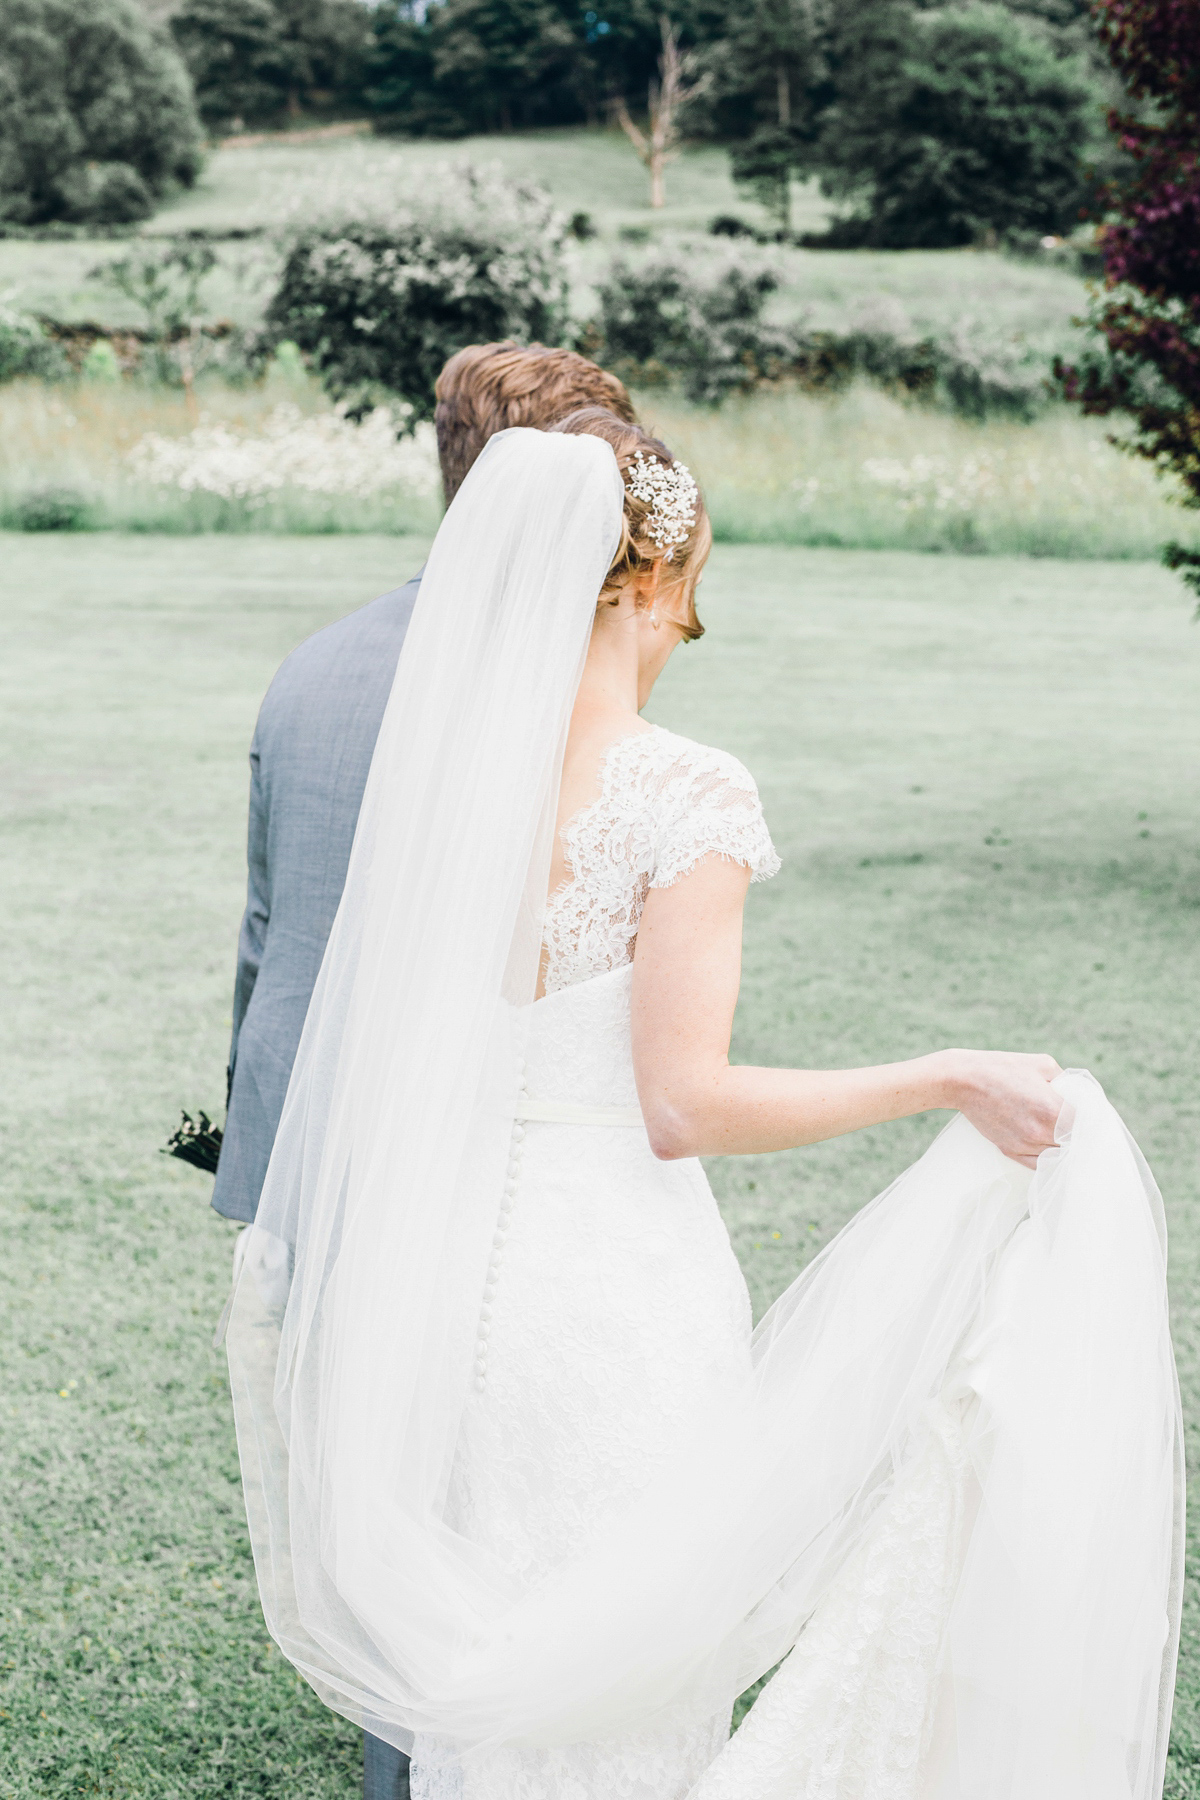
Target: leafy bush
254	60
701	322
51	509
378	301
26	350
96	112
953	124
164	280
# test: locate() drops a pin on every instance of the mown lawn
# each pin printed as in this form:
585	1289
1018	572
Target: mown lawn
982	775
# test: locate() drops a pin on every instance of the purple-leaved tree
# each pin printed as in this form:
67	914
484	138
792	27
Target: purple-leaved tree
1149	309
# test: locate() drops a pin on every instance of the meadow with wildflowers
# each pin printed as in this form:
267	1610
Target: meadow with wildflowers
858	470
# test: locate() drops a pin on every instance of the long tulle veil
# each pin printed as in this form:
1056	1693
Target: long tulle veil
1033	1311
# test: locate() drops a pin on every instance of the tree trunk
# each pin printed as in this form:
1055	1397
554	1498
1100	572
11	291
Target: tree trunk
666	100
784	96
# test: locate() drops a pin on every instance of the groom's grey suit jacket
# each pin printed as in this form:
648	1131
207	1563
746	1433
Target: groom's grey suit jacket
309	759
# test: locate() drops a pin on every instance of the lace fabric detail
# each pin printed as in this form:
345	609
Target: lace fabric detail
665	804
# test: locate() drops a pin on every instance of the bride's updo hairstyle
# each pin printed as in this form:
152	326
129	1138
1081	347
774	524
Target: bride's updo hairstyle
664	520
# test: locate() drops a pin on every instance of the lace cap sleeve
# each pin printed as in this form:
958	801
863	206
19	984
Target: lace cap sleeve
708	805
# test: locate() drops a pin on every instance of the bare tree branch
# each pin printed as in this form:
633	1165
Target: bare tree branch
669	95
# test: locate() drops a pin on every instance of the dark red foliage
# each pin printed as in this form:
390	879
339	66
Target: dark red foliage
1155	244
1149	312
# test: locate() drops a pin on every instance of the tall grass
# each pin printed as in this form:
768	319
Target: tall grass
67	457
864	471
859	471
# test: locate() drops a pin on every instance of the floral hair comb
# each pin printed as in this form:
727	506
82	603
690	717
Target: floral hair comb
672	496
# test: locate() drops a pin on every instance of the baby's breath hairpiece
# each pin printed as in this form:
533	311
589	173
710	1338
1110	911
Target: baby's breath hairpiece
672	496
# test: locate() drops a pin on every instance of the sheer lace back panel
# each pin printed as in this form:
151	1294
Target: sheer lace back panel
665	804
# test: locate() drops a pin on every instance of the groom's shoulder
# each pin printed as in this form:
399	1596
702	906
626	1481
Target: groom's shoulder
341	659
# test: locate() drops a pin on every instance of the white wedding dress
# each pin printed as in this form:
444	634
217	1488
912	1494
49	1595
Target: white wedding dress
528	1496
616	1315
617	1305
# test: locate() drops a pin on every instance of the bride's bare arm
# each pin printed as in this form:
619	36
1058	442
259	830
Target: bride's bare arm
686	974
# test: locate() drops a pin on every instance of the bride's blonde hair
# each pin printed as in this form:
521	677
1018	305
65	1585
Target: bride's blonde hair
642	538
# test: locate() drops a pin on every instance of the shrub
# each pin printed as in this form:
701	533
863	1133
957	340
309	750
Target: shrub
954	124
97	119
51	509
378	301
26	350
699	321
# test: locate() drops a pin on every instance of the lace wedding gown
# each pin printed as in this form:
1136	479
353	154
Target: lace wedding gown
615	1316
615	1313
615	1305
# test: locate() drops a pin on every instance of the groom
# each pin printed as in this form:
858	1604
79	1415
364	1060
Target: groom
309	759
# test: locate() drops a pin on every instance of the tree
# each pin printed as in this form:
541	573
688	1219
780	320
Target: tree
952	125
674	90
257	60
398	83
506	58
766	162
1149	312
235	53
97	120
486	65
768	86
475	65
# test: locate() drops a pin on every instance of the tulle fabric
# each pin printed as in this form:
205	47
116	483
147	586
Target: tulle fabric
1035	1309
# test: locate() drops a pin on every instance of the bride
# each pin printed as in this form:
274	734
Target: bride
528	1496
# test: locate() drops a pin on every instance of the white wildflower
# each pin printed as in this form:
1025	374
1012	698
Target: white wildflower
929	482
322	454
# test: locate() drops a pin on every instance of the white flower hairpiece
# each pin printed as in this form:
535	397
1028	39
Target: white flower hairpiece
672	496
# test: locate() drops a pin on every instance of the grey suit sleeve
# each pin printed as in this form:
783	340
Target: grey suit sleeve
256	918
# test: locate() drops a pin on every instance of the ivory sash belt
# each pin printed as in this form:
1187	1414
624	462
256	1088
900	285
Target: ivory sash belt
565	1112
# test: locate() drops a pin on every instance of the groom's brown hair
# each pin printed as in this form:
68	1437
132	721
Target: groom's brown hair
487	388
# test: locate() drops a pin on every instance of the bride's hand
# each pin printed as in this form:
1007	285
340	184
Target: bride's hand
1007	1096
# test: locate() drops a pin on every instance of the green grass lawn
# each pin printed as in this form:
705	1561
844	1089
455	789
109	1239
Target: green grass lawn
982	776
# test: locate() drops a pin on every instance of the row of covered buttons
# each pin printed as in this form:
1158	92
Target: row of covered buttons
511	1179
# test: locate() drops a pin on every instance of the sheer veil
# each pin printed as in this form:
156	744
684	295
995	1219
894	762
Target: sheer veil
1031	1312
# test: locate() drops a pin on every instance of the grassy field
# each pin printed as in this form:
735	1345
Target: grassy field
982	777
267	185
